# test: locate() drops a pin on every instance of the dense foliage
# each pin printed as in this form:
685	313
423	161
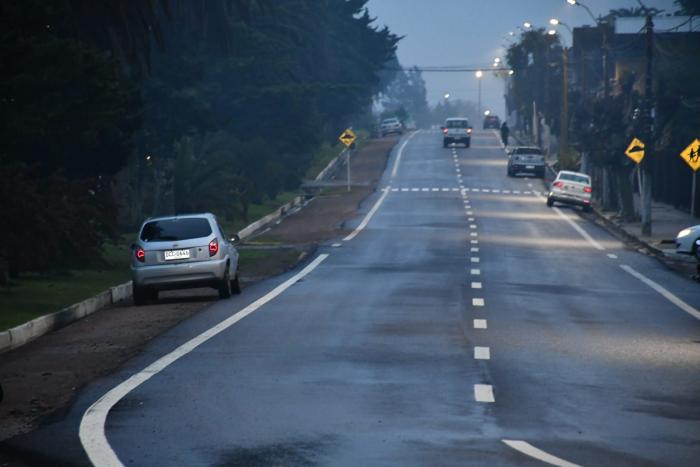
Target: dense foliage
177	105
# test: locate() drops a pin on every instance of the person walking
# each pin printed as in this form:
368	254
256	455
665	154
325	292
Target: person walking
504	133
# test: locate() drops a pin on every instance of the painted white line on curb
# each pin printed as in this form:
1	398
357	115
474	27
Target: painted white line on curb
367	218
483	393
482	353
92	426
480	324
400	153
530	450
478	302
663	291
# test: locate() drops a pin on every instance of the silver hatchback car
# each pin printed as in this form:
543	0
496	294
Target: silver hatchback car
181	252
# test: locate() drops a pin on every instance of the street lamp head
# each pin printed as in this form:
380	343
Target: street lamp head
571	2
487	112
446	95
551	32
479	73
527	25
511	72
497	60
554	21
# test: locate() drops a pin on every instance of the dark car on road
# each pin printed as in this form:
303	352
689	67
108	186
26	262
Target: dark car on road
526	159
492	121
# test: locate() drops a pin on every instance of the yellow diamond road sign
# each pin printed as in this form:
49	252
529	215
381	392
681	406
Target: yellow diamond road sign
635	150
348	137
691	155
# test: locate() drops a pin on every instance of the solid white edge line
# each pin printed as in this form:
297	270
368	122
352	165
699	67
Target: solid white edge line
92	425
577	228
400	153
367	218
530	450
663	291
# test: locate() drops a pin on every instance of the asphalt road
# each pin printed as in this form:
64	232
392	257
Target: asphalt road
465	324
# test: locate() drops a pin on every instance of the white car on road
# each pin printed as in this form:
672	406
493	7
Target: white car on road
687	241
571	188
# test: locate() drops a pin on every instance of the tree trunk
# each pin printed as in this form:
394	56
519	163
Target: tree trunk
646	203
625	194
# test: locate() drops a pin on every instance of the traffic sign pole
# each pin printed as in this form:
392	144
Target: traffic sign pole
692	196
348	164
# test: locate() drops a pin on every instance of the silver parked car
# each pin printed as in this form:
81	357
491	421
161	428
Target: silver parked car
571	188
688	241
182	252
526	159
389	126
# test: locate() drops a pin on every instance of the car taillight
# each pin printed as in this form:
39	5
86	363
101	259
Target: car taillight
213	247
559	184
444	130
469	131
587	189
140	255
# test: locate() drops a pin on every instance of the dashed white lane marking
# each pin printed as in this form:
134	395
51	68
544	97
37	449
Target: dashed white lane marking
475	190
474	242
367	218
475	272
506	192
474	250
436	189
473	234
336	245
425	189
529	185
472	226
394	189
612	256
445	189
400	153
92	426
471	219
470	213
495	191
404	189
480	324
478	302
474	259
486	191
663	291
483	393
530	450
415	189
516	192
482	353
476	285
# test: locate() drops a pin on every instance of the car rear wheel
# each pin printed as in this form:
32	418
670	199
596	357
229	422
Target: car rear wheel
225	285
444	143
587	209
141	295
236	285
550	202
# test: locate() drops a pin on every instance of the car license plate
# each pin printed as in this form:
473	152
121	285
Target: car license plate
176	254
529	166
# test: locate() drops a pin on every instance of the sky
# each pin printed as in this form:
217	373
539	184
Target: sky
472	33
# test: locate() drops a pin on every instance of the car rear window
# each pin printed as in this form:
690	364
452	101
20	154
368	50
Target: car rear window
528	151
575	178
390	121
175	229
456	124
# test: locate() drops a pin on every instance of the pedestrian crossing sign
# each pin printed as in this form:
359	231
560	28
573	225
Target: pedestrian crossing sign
635	150
691	155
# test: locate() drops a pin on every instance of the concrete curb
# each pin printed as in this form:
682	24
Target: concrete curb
29	331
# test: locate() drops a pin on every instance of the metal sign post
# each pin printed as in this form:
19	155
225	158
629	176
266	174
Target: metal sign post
692	196
348	138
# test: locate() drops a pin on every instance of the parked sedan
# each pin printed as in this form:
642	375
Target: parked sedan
182	252
688	241
571	188
389	126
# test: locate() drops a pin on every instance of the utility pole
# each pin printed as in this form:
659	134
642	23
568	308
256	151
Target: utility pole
564	116
648	130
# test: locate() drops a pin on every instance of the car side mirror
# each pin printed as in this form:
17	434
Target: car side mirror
235	239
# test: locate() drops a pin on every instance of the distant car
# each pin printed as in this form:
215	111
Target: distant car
492	121
456	130
182	252
526	159
688	241
571	188
390	126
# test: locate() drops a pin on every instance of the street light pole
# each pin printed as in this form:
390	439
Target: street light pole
478	75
